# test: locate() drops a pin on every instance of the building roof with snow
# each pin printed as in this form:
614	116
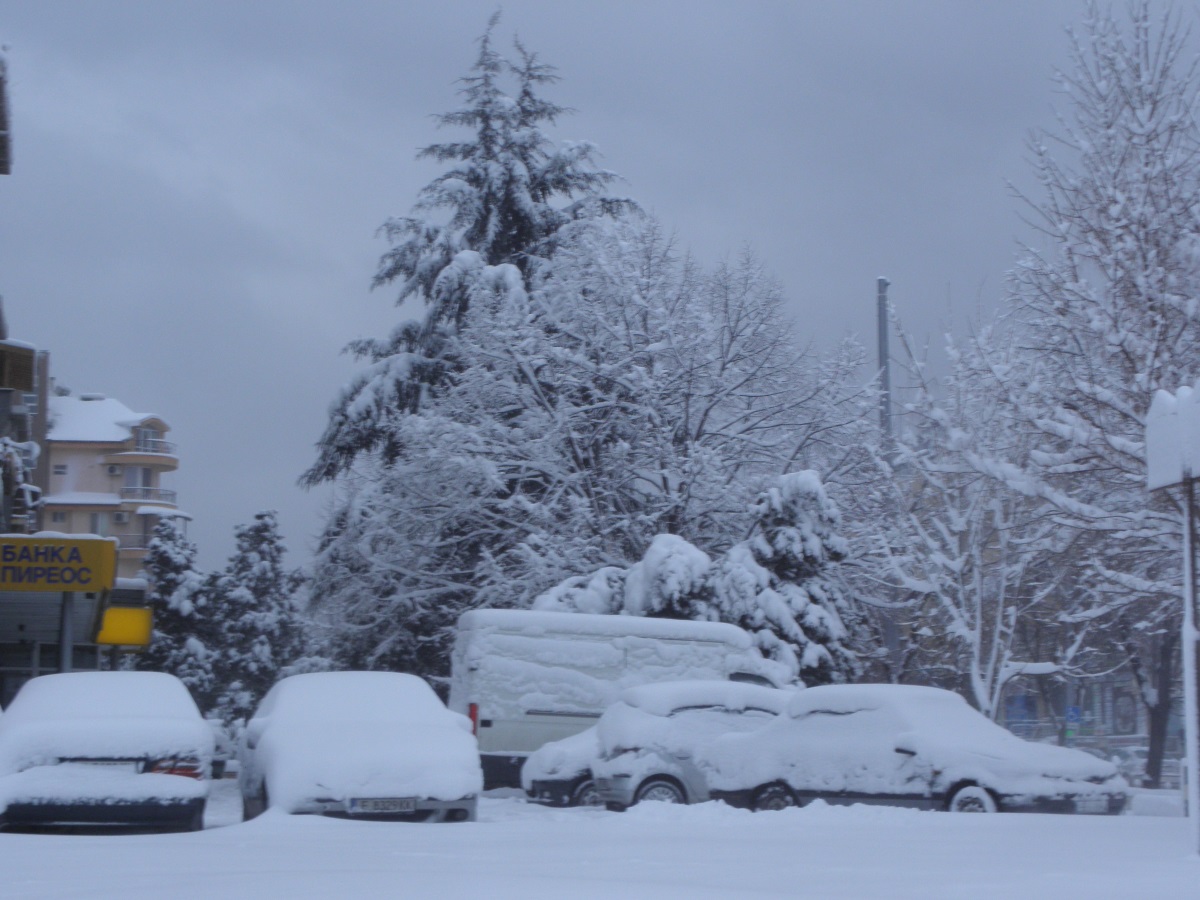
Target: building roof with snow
95	418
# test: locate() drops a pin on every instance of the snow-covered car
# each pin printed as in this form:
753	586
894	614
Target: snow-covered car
1131	763
363	745
560	773
642	745
648	741
104	748
906	745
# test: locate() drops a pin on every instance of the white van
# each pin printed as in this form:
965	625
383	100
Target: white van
527	677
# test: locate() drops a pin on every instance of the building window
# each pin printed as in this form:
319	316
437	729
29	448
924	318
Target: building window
148	440
98	524
58	518
139	476
60	468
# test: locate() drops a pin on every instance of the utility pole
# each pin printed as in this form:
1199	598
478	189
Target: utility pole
885	366
890	629
1172	460
5	133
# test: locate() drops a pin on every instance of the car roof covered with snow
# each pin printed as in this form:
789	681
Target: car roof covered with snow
665	698
101	714
100	695
847	698
341	696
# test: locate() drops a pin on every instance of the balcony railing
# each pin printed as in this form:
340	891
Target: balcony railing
134	541
148	493
153	445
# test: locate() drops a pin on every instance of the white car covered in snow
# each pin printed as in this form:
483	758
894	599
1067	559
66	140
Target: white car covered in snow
104	748
364	745
643	745
900	744
560	773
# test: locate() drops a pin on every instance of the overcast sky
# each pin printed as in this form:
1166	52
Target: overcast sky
190	222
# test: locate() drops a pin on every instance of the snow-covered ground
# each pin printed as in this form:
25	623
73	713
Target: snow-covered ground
519	850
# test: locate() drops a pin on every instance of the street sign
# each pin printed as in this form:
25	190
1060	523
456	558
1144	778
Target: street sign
57	564
126	626
1073	714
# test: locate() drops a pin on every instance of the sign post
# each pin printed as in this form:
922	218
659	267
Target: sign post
63	565
1172	456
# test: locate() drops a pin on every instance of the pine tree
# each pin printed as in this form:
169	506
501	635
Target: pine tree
505	196
255	618
184	639
779	584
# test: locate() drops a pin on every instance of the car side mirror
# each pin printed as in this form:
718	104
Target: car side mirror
254	730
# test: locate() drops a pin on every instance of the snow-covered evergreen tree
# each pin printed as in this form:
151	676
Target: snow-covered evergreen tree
184	640
503	199
779	584
255	618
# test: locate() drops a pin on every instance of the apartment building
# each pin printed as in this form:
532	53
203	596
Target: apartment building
106	466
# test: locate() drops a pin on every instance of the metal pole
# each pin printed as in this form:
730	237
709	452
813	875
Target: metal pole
890	628
66	633
885	365
1191	718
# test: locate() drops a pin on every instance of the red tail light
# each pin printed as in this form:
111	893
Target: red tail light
187	767
473	715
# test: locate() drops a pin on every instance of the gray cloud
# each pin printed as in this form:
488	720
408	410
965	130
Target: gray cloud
190	222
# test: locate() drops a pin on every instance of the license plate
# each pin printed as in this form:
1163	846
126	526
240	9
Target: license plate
384	805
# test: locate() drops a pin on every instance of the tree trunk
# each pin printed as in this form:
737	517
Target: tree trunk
1161	678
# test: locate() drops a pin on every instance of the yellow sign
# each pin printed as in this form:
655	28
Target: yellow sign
126	626
57	564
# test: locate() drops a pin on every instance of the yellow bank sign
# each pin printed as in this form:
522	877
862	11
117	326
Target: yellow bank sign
57	564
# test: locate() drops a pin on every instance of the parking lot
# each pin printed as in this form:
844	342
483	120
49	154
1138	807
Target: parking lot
520	850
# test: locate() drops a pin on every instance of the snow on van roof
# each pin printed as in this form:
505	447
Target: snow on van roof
536	622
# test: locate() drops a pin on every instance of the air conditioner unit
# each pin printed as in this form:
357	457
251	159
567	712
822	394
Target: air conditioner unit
114	470
120	518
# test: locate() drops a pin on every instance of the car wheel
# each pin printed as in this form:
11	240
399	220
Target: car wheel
585	794
660	789
773	797
973	799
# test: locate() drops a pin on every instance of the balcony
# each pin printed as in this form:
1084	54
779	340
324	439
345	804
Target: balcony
158	495
153	445
134	541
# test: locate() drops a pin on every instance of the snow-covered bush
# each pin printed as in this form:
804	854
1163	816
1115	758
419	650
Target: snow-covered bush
777	585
